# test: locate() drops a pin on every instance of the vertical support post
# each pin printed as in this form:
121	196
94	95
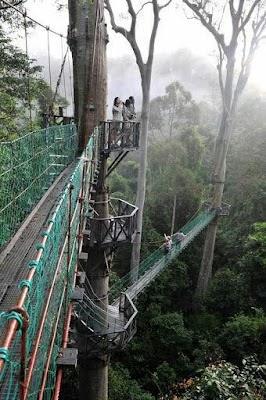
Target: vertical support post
173	216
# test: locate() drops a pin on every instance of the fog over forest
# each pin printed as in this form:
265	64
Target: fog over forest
195	73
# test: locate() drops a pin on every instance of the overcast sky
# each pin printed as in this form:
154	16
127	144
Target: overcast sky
175	32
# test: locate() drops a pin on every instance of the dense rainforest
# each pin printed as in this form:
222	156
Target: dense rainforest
218	352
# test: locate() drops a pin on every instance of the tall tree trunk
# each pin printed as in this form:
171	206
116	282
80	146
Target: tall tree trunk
87	39
80	34
93	371
242	14
141	186
145	70
219	172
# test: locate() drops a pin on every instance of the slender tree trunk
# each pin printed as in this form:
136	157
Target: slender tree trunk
141	187
220	153
173	215
145	70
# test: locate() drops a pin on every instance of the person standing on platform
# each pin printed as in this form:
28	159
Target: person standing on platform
118	119
132	108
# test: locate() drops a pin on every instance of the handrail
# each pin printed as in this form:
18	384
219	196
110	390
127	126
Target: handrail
32	296
135	275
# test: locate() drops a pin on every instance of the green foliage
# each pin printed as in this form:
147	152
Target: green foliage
173	176
21	87
245	185
123	181
122	387
226	381
171	332
227	294
170	113
243	336
165	376
171	340
254	264
256	246
205	328
70	388
14	70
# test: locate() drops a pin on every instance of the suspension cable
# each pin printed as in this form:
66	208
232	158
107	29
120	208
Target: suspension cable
70	82
32	19
59	78
49	55
63	63
27	67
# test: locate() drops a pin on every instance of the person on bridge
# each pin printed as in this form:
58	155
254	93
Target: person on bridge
167	243
180	236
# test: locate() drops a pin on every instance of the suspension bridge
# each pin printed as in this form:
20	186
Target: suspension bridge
46	217
50	315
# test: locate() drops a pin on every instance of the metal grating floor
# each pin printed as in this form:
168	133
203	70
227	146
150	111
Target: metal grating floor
14	268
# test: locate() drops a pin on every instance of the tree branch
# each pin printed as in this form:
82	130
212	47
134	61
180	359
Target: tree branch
164	5
246	62
129	35
143	5
252	8
208	24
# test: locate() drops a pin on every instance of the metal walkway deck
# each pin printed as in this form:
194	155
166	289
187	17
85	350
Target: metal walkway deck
20	250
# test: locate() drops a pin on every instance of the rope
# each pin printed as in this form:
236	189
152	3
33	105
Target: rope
70	82
32	19
59	78
33	264
8	315
28	68
63	62
4	354
25	282
49	55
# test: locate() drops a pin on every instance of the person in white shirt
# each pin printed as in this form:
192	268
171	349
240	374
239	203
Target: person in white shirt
117	111
180	236
167	243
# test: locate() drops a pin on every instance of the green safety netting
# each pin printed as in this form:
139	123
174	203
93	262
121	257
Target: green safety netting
148	269
28	167
102	321
55	270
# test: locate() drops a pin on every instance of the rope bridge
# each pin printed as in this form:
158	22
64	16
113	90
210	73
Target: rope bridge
46	290
148	269
108	330
29	352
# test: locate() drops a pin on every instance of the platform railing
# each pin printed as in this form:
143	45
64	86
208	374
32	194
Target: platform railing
119	136
106	329
121	225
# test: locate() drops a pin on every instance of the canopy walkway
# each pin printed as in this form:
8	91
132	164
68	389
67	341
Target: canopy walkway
148	270
115	327
43	181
